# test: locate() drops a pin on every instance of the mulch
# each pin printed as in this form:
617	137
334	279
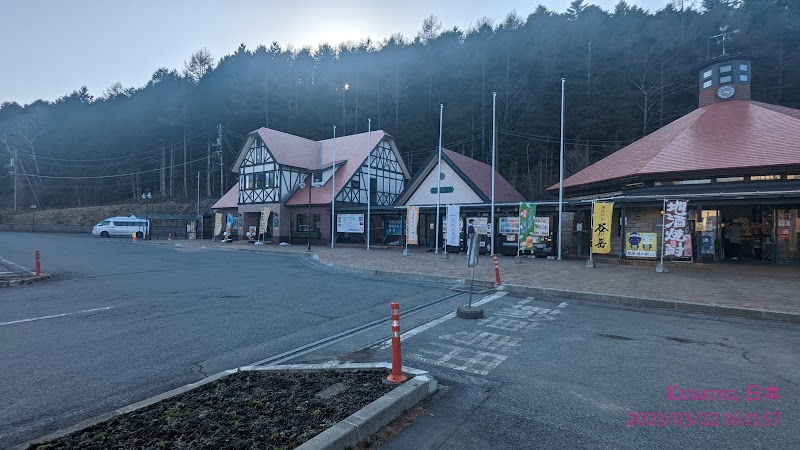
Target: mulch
251	409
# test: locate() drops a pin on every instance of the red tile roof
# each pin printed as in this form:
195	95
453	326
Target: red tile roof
727	135
229	200
481	176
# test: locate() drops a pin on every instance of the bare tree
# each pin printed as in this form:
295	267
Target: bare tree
200	63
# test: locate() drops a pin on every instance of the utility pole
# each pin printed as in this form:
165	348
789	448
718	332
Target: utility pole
208	171
197	208
221	161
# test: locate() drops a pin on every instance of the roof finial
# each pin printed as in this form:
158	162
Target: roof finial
724	35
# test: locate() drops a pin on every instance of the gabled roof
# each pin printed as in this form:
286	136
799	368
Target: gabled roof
351	153
476	174
736	134
229	200
287	149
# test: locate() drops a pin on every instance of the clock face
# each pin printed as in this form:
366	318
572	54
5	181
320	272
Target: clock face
725	92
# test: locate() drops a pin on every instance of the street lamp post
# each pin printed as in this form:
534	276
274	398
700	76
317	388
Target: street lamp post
344	119
33	218
146	196
303	186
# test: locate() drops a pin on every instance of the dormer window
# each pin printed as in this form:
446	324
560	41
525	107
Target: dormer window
725	69
707	78
725	79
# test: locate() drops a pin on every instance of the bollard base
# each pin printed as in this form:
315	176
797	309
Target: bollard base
405	252
446	255
396	378
661	268
469	312
590	264
517	260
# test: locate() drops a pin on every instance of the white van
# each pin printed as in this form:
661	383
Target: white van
122	226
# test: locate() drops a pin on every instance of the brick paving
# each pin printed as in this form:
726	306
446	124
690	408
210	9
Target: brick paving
743	285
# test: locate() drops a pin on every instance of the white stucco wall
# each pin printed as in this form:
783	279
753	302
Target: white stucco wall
461	194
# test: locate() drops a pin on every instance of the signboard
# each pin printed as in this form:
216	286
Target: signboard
350	223
676	241
784	226
641	245
527	213
541	226
445	189
481	224
509	225
412	220
601	227
264	223
217	224
393	227
707	243
453	237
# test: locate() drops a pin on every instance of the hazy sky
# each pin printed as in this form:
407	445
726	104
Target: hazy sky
48	48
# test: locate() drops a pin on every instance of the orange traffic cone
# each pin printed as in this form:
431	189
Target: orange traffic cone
134	237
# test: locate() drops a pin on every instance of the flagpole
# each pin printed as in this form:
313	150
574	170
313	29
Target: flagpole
561	175
369	179
439	178
494	146
333	191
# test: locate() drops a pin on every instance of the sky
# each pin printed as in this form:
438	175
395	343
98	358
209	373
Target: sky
53	47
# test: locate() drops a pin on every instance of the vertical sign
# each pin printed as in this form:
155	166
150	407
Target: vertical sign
676	241
453	226
784	226
527	216
601	227
217	224
264	223
412	219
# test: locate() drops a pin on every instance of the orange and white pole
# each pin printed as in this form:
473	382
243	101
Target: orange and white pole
496	271
38	264
397	375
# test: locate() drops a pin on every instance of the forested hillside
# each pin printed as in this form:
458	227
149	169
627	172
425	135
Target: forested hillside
628	72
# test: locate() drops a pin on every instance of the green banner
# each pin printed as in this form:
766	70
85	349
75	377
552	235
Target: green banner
527	214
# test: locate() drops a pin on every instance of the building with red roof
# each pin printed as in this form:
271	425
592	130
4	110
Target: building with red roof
733	159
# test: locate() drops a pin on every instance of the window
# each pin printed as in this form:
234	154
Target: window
793	177
316	177
706	84
725	79
259	155
260	178
355	183
724	69
707	74
742	67
105	223
765	177
249	181
729	179
270	178
302	222
743	78
373	190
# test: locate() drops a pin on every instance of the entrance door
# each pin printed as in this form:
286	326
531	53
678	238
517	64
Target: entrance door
786	235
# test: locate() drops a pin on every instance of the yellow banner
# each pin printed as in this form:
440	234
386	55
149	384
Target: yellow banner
412	219
217	224
264	222
602	214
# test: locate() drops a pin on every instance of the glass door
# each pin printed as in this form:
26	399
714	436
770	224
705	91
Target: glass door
786	235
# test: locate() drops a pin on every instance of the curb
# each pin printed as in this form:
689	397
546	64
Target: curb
345	434
26	280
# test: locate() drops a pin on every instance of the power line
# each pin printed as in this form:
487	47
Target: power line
119	175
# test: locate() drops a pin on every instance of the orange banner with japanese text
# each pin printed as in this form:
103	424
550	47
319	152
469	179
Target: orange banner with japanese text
602	213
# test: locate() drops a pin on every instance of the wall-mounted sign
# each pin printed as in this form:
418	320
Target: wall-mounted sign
350	223
541	226
509	225
445	189
412	220
641	245
394	227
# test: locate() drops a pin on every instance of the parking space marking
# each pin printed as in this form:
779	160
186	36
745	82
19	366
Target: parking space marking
14	266
563	305
55	315
482	340
458	358
501	323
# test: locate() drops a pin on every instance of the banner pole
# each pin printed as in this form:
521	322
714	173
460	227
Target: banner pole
660	268
590	263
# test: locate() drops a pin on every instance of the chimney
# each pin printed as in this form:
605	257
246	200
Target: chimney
724	79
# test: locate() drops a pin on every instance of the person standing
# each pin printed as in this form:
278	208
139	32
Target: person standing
733	233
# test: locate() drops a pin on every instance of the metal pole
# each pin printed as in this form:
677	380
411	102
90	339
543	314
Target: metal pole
439	179
494	150
333	190
369	180
663	222
561	174
219	149
308	230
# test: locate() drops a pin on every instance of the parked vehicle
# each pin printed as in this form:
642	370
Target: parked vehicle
122	226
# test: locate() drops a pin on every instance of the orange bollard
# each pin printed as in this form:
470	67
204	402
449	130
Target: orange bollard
397	375
496	271
38	264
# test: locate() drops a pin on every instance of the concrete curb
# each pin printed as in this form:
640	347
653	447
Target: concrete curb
344	434
26	280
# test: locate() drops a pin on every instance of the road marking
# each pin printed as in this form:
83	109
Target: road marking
55	315
562	305
506	324
482	340
426	326
458	358
14	265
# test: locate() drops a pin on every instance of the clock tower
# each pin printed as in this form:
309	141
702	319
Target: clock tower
724	78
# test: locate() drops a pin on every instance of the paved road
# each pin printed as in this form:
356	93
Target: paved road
121	322
562	375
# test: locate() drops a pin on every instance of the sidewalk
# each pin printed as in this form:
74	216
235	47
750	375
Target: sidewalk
745	290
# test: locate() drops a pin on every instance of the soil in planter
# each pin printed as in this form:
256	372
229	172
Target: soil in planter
276	410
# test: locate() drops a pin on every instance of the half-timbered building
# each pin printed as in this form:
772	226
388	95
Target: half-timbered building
293	179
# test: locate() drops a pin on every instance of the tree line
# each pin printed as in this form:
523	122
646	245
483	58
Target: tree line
628	72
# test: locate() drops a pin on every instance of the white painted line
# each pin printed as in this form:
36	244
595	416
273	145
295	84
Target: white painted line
426	326
56	315
15	265
562	305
